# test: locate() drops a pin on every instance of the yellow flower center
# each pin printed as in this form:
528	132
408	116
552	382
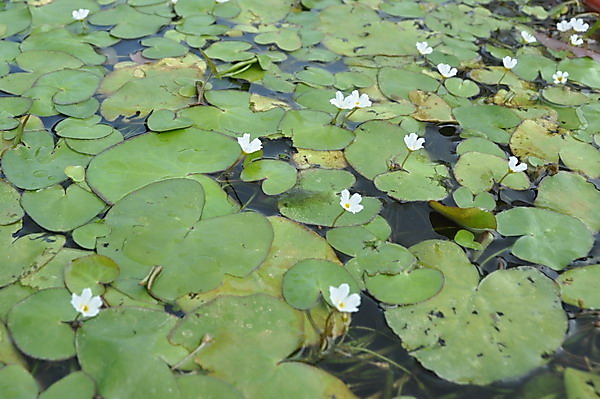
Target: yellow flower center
357	103
341	305
85	308
346	205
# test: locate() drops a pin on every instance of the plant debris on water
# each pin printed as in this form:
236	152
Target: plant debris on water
299	198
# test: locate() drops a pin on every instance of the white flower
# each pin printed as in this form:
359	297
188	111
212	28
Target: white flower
515	166
351	204
86	304
578	25
413	142
508	62
446	71
338	101
221	1
563	26
528	38
560	77
356	101
248	147
424	48
341	300
576	40
81	14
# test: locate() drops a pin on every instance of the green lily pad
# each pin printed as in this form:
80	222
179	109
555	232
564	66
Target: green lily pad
398	83
70	86
309	280
112	345
462	88
230	51
129	23
421	180
487	121
355	239
76	385
86	235
430	107
578	288
128	88
57	209
38	163
407	287
87	128
285	38
538	139
211	388
15	381
162	47
582	70
45	310
377	144
466	239
316	200
279	176
10	208
550	238
478	172
471	218
467	309
164	120
564	96
51	274
92	271
581	204
151	157
27	254
312	130
465	199
581	384
235	321
61	40
232	114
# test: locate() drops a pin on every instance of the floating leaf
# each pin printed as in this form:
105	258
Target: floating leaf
466	239
466	310
57	209
47	311
16	382
581	384
129	23
486	121
407	287
578	288
76	385
309	280
316	200
27	254
38	163
112	345
163	120
550	238
279	176
312	130
275	330
581	204
478	172
10	208
151	157
92	271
